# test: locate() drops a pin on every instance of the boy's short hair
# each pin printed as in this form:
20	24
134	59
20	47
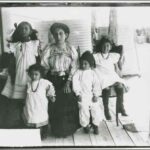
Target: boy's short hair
88	56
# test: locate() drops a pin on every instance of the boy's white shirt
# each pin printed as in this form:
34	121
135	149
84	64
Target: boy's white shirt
86	83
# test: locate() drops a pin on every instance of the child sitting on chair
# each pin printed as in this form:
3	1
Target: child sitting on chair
86	88
105	68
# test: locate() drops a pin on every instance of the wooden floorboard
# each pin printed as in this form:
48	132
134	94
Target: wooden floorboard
50	140
120	137
109	134
103	138
59	141
69	141
81	138
135	136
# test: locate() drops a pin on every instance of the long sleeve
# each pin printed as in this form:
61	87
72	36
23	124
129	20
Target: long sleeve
115	57
76	83
97	90
74	64
44	58
37	46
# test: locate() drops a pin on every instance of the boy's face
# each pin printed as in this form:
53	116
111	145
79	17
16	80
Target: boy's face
106	47
35	75
85	65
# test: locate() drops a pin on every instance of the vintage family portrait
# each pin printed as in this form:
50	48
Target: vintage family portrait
74	74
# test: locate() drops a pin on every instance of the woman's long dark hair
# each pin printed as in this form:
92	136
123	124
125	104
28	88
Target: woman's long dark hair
16	35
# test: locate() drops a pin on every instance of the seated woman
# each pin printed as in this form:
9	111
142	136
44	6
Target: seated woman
60	59
106	64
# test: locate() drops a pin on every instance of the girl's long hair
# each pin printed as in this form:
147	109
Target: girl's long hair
100	43
16	37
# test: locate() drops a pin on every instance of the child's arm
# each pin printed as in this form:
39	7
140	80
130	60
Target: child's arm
76	85
44	57
52	98
118	62
51	92
37	51
121	62
118	71
97	90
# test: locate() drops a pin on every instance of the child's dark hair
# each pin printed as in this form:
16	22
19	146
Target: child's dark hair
100	43
88	56
16	35
36	67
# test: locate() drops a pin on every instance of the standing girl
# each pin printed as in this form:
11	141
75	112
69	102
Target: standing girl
60	59
36	105
87	89
24	46
106	63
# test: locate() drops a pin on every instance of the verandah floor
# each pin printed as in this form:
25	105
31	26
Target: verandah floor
110	135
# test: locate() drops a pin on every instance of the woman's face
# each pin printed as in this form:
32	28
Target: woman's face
60	36
25	30
106	47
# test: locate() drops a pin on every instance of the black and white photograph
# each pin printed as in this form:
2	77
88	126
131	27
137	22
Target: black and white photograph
75	74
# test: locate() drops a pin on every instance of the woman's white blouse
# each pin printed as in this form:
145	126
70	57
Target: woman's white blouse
60	60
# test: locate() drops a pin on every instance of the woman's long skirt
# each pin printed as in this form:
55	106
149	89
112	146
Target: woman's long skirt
64	113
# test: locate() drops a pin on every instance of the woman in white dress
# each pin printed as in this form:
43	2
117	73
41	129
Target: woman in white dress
24	46
105	68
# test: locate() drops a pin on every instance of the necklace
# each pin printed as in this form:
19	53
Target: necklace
104	56
36	87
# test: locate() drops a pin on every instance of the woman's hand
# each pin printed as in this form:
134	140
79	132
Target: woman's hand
67	88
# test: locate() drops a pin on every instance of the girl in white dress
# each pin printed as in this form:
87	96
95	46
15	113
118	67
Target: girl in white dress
24	46
105	68
87	90
39	91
